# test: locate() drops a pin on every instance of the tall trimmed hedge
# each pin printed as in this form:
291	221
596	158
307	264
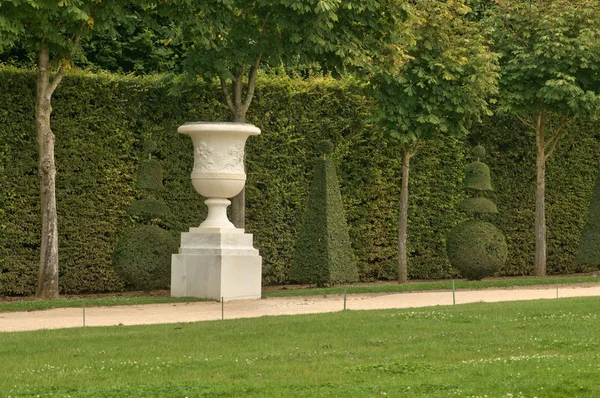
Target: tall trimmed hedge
100	122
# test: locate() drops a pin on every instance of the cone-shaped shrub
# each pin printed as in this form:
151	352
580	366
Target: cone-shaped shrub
589	246
323	251
477	248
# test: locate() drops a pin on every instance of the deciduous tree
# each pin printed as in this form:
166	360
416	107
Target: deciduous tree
53	30
550	59
442	87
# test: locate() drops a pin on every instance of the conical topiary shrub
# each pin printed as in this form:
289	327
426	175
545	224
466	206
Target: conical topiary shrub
323	251
588	254
477	248
142	257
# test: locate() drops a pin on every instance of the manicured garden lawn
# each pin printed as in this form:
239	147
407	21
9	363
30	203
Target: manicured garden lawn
544	348
111	301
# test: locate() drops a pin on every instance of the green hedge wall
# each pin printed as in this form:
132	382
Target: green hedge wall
101	121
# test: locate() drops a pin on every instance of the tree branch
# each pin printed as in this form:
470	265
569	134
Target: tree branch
237	87
551	144
252	82
56	80
226	94
63	66
525	122
411	150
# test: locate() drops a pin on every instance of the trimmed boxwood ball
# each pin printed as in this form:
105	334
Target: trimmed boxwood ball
478	205
325	147
142	258
478	152
150	146
476	249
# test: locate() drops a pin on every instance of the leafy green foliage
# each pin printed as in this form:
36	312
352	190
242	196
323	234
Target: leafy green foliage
478	152
325	147
477	177
142	258
323	251
150	175
101	122
477	249
550	56
148	209
150	146
58	24
444	85
588	254
478	205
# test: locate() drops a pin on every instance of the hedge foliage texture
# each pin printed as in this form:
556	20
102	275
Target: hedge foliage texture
101	122
323	251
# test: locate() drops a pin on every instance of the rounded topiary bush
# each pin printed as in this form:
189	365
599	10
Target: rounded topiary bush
478	205
478	152
476	249
325	147
150	146
142	258
146	210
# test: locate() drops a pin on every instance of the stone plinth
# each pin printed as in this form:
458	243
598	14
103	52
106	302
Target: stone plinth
216	263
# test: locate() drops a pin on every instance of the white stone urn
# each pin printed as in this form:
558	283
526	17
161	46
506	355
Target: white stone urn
218	171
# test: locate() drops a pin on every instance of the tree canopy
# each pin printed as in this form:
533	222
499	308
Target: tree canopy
446	82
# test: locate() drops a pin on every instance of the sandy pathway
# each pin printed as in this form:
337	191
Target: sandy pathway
204	311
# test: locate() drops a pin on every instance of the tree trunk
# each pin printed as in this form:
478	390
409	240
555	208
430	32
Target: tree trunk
540	213
238	202
48	269
238	109
403	218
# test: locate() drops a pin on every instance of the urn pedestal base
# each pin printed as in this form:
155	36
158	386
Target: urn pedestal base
216	263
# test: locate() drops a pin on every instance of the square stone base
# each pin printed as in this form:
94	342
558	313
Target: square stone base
216	266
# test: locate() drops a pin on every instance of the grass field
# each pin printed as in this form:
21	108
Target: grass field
37	305
544	348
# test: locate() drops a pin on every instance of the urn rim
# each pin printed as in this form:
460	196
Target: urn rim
229	127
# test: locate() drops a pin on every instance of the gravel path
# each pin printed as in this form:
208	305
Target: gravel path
205	311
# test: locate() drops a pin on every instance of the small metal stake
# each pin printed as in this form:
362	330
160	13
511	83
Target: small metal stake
83	301
557	288
345	290
453	293
222	309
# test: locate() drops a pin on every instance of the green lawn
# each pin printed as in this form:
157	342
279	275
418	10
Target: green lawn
543	348
36	305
